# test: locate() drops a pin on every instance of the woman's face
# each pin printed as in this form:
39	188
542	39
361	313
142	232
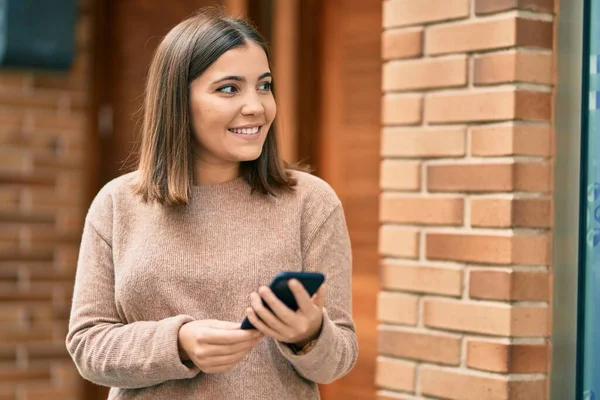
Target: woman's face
232	106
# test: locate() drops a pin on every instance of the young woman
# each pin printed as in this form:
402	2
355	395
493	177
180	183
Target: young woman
177	253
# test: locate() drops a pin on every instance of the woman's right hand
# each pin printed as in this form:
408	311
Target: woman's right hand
215	346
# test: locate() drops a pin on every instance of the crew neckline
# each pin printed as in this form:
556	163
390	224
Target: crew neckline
221	186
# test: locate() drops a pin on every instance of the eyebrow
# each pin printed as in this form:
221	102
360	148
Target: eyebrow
241	78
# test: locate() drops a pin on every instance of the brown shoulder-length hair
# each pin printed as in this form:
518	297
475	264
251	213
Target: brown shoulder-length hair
166	158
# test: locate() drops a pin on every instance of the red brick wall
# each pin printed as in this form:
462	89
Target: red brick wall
44	120
466	204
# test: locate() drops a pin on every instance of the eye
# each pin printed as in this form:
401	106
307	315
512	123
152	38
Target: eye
227	89
265	86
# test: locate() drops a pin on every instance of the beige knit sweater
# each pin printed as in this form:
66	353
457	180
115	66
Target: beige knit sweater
145	270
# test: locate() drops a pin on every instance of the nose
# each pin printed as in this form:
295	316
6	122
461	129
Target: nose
253	104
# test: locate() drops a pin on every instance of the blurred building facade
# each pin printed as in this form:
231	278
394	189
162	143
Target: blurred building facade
449	129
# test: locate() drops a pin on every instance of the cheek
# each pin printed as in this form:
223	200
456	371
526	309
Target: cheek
270	108
207	117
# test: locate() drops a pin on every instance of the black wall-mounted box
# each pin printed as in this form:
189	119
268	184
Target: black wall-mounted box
37	34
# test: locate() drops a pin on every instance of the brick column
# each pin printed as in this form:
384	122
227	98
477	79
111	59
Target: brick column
466	182
44	138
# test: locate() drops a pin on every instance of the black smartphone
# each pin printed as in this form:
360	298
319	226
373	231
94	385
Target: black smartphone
311	281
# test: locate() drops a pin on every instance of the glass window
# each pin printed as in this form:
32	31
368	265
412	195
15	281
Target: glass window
590	367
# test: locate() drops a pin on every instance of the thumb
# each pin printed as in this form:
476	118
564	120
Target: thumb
319	297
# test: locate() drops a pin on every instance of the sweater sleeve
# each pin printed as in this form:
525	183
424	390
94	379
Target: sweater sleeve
105	349
336	349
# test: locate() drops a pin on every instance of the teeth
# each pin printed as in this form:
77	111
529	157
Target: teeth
246	131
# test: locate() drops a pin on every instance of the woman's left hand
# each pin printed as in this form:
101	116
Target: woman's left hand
283	324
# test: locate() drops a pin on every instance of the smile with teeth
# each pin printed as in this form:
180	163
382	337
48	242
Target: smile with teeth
245	131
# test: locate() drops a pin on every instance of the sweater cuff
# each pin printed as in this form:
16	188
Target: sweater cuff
320	352
167	356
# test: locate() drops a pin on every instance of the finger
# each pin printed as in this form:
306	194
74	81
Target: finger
319	298
216	324
258	324
282	311
223	336
224	360
223	350
301	295
267	316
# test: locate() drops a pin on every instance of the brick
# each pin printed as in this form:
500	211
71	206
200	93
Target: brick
402	109
15	79
11	120
9	293
400	175
507	357
489	34
402	43
9	197
488	249
15	375
398	242
32	100
488	105
423	142
490	319
529	321
8	354
61	122
458	385
414	209
509	285
417	345
10	313
422	279
49	81
511	139
489	177
47	351
24	335
395	374
511	212
48	392
7	393
409	12
428	73
65	374
14	161
497	177
513	66
533	177
492	6
66	255
397	308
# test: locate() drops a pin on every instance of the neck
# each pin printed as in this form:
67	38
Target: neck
211	174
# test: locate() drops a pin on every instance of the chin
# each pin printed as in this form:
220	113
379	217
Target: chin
247	156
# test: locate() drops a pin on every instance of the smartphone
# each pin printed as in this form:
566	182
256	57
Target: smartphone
311	281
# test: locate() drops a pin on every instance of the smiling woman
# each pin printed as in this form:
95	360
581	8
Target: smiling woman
232	112
174	256
209	89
